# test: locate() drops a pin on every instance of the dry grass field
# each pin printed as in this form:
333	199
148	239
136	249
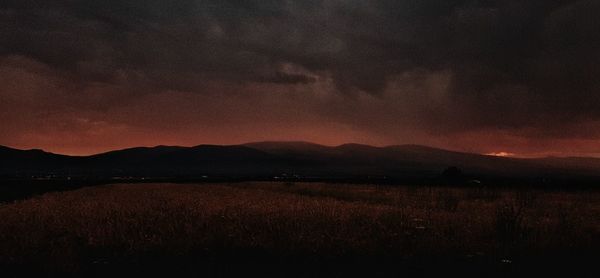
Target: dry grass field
301	230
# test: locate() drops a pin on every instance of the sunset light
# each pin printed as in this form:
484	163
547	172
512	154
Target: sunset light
299	138
501	154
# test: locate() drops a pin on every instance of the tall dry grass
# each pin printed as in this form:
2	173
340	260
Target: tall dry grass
123	223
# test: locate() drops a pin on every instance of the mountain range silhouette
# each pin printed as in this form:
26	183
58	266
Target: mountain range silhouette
300	160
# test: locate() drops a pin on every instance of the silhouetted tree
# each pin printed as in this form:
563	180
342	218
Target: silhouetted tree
452	174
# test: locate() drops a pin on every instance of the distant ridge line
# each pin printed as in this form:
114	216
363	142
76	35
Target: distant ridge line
259	144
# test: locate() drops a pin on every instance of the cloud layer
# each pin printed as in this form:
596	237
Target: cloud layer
85	76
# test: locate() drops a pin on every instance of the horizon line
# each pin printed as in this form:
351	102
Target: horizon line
489	154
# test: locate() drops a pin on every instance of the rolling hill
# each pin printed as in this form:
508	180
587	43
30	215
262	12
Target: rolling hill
300	160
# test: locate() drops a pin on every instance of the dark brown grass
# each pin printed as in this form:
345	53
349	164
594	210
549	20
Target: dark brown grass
73	232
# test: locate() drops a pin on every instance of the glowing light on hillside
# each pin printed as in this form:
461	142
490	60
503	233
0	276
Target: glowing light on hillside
501	154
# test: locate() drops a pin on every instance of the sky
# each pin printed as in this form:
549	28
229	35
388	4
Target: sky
507	77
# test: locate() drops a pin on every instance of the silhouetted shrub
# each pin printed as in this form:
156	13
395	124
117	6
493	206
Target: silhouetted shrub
452	173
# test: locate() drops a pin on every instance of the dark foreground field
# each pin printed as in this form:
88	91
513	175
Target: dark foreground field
301	230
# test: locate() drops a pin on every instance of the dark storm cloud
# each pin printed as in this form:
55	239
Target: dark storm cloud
522	65
285	78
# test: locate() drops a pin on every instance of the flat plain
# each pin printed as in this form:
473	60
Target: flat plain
301	230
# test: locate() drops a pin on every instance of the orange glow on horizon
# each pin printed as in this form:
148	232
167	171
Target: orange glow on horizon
501	154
